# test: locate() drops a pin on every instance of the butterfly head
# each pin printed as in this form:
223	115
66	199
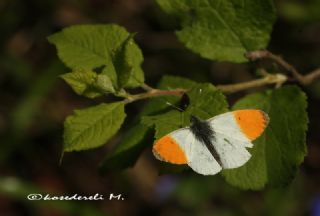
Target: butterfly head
194	120
197	122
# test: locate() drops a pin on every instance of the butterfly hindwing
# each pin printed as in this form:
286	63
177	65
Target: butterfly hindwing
232	152
181	147
201	160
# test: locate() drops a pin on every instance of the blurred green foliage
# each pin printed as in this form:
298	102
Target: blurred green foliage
298	11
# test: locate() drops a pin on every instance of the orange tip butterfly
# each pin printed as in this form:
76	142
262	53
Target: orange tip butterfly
208	146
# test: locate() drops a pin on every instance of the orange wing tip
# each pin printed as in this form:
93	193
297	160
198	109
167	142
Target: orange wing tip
167	149
251	122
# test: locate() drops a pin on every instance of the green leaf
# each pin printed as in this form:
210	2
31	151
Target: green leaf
127	151
277	154
88	83
93	126
158	105
223	30
128	61
165	123
88	47
103	83
206	101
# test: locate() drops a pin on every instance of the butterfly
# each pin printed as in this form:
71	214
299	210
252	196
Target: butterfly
208	146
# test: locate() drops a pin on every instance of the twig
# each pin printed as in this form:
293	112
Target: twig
277	79
154	93
304	80
309	78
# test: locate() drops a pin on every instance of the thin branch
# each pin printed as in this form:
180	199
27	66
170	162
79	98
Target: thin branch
265	54
277	79
312	76
154	93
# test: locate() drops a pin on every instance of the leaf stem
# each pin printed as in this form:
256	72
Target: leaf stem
147	87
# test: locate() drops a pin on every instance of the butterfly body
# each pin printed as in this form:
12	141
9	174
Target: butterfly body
204	133
208	146
201	129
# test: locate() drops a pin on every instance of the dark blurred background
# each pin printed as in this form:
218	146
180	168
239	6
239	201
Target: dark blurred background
35	102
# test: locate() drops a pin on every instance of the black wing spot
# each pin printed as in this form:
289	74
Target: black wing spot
227	141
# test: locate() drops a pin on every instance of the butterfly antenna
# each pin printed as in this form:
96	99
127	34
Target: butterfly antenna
174	106
181	111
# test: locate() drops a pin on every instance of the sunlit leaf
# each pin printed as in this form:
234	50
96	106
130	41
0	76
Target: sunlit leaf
93	126
222	30
87	47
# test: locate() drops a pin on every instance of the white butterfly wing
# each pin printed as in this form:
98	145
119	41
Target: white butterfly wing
173	145
232	152
230	141
226	124
197	156
201	160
